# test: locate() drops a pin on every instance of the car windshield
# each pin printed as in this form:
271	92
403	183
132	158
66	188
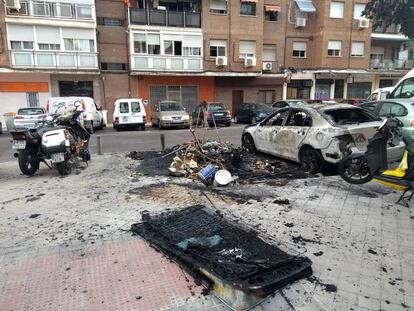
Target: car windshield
348	116
216	106
296	103
30	111
262	107
171	106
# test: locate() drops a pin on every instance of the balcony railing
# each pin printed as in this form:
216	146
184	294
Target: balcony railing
165	18
390	64
53	10
166	63
54	60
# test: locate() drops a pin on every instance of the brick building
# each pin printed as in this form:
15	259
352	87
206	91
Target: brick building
193	50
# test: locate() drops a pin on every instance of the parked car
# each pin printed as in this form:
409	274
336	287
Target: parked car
323	101
354	101
216	113
129	113
1	128
91	118
315	135
404	87
29	117
288	103
169	114
252	113
399	108
380	94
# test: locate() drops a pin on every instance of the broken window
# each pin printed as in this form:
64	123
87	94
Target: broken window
348	116
278	119
298	118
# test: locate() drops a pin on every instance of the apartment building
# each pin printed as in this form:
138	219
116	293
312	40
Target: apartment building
49	49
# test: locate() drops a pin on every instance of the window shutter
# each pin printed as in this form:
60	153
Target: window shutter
153	38
334	45
269	53
192	41
358	48
221	43
76	33
299	46
220	5
20	33
48	35
358	8
247	47
337	9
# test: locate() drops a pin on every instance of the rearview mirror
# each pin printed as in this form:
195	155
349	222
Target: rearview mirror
145	102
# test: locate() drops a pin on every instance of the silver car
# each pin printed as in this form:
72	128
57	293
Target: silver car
169	114
29	117
316	134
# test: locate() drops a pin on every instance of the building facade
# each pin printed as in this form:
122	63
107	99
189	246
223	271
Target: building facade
232	51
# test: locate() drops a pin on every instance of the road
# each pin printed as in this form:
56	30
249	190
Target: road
130	140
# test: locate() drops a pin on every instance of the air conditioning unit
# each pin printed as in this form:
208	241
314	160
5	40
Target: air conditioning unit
13	4
363	23
221	61
250	62
267	66
300	22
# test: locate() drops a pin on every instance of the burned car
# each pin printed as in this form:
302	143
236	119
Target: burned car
316	134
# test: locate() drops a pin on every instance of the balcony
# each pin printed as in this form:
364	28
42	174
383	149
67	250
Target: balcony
54	60
165	18
53	10
166	63
391	64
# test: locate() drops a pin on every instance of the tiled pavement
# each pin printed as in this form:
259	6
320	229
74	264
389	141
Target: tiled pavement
360	242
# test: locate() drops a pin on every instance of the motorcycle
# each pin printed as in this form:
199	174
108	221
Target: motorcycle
361	167
61	139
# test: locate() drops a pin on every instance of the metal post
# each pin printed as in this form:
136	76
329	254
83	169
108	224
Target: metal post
99	145
162	137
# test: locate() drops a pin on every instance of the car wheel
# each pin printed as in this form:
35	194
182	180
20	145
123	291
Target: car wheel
143	127
248	143
311	160
117	128
355	170
236	120
228	124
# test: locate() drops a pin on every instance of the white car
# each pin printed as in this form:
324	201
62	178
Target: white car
91	118
29	117
316	134
129	113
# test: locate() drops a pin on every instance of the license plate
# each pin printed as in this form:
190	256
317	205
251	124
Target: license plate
19	144
57	157
125	119
219	114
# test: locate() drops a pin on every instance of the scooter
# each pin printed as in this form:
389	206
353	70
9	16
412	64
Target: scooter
60	139
359	168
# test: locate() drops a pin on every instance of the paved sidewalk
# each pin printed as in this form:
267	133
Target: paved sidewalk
77	254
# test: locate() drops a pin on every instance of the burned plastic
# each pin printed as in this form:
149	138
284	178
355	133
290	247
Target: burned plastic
239	257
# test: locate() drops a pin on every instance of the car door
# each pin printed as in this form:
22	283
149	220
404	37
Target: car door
240	114
123	112
97	117
372	107
292	134
266	132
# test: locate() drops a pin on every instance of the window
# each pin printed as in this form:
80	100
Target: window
106	21
218	48
357	48
21	45
83	45
140	43
371	107
404	90
123	107
269	52
299	49
62	10
191	51
270	12
153	41
33	101
135	107
247	8
172	47
49	47
298	118
358	8
113	66
84	11
247	49
278	119
334	48
218	6
266	97
41	9
391	110
341	116
337	10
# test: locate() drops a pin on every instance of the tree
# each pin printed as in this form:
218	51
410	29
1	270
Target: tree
387	12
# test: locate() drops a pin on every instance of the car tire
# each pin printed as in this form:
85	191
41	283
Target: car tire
101	126
248	143
228	124
311	160
142	127
117	128
90	129
361	176
27	165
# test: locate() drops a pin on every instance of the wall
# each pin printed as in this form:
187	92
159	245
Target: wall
4	53
114	86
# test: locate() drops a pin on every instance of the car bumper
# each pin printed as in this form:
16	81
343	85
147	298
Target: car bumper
29	125
219	120
171	123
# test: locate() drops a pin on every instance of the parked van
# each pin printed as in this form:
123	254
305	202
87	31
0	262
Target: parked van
91	118
380	94
405	87
129	112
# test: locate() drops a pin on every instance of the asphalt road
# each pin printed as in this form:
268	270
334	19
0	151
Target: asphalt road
129	140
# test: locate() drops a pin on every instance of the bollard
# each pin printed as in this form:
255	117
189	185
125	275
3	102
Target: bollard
162	137
99	145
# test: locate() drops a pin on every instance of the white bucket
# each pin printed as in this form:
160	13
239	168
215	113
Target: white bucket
222	178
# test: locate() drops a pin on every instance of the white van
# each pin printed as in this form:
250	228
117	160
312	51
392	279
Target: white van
91	118
129	112
381	93
405	87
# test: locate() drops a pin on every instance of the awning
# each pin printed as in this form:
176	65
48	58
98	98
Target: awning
305	6
249	0
272	8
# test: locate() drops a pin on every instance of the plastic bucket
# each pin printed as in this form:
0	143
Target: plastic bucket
222	178
207	174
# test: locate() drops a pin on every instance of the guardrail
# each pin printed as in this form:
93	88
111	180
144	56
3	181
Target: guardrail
165	18
390	64
166	63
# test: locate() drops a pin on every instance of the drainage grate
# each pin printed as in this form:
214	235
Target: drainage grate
203	239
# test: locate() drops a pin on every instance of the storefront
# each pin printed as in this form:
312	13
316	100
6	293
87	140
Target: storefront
299	89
